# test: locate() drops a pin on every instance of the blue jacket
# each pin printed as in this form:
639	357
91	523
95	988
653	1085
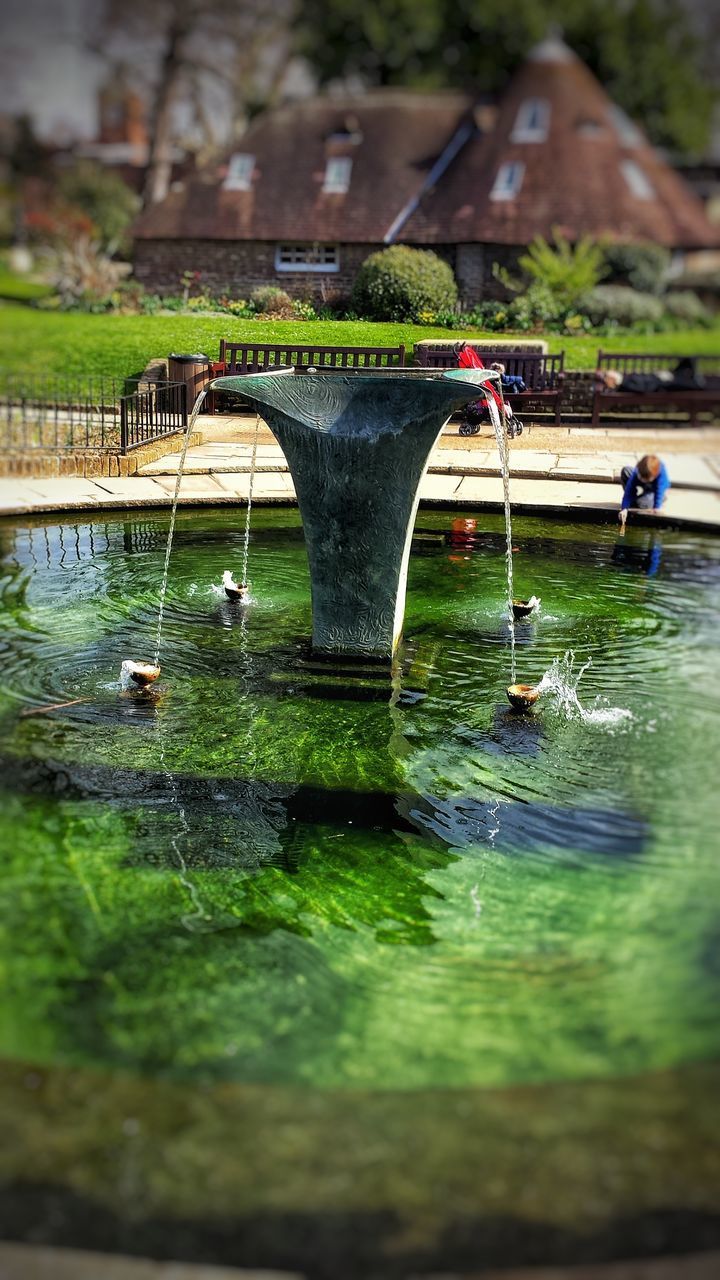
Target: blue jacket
657	487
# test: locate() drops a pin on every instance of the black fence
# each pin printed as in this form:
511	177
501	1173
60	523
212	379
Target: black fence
55	414
157	411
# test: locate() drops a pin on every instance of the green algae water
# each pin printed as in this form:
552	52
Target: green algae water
338	921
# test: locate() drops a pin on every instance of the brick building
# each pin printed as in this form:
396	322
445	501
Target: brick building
320	185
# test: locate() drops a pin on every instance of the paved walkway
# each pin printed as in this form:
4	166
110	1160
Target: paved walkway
32	1262
573	469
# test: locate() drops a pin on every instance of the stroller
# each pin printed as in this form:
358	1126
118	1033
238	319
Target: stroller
476	413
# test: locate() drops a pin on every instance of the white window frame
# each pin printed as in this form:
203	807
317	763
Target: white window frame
338	170
637	181
241	167
532	122
508	180
293	256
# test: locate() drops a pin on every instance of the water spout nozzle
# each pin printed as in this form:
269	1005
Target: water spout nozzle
522	696
140	673
523	608
235	590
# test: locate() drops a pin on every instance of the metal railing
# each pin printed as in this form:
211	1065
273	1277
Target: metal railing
157	411
46	413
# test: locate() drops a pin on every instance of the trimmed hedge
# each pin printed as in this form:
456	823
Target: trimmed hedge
403	284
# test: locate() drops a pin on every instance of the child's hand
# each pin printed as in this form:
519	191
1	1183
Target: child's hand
622	517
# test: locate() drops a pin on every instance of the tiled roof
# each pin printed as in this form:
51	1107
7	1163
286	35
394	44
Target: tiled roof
573	180
399	137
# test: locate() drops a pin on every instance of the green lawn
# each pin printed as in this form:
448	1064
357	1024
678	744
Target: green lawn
122	345
16	288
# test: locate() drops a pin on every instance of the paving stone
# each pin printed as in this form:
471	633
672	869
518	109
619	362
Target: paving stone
439	488
128	487
31	1262
189	485
540	478
696	1266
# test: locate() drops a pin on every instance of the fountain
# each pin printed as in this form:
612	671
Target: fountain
357	445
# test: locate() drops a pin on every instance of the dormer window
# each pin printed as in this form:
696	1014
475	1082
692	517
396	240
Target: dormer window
508	180
588	128
240	172
337	175
640	185
532	121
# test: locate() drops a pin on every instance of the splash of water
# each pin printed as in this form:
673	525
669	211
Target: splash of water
126	680
499	422
561	681
168	549
246	543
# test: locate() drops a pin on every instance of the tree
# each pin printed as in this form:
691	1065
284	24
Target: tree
103	196
644	51
193	47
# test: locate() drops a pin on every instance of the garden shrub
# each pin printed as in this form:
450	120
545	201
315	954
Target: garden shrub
488	315
536	308
401	283
642	266
303	310
684	305
617	304
565	271
269	300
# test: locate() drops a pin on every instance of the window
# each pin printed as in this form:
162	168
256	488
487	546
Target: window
588	128
532	121
240	172
307	257
337	175
640	185
508	180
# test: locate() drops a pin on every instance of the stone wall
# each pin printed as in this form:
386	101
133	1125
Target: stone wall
236	267
474	270
91	464
578	388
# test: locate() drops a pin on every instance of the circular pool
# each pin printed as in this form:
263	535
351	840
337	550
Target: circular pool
452	929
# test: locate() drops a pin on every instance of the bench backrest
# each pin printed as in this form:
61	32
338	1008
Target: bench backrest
254	357
629	362
538	372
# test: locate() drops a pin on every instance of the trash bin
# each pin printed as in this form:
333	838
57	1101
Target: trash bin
193	370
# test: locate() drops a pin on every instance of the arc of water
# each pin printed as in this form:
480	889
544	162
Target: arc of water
246	543
171	531
500	426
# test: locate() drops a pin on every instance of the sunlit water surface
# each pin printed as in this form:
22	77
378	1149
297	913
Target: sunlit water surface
279	872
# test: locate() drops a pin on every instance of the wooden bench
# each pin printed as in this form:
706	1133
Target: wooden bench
256	357
542	374
691	400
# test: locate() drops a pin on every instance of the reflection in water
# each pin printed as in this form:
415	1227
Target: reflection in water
643	555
